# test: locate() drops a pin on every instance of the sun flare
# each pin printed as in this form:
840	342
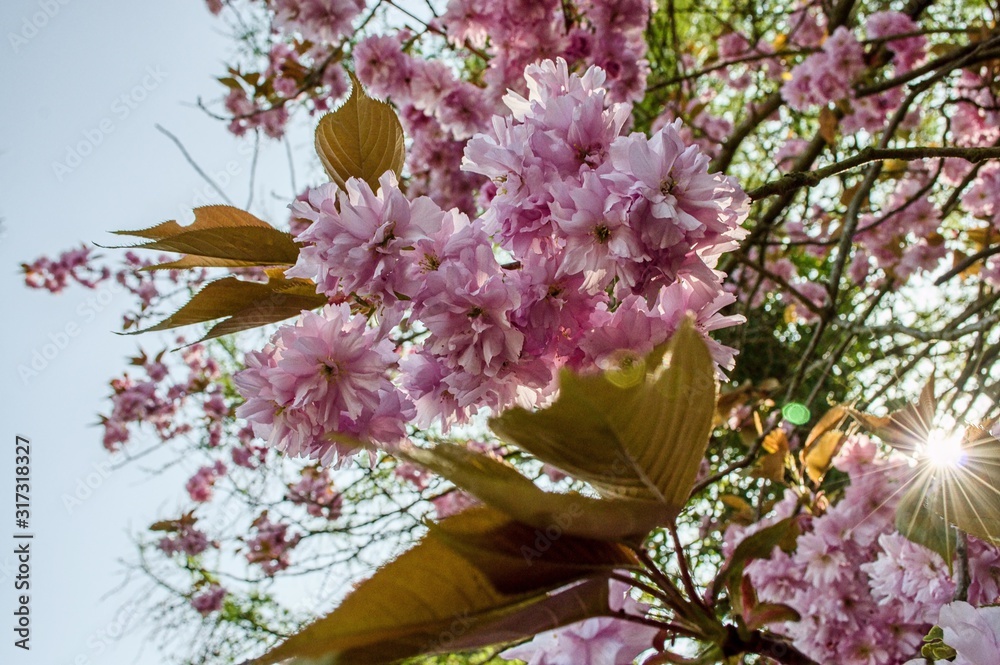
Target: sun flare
944	448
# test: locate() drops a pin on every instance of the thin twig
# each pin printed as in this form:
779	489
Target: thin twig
193	163
253	166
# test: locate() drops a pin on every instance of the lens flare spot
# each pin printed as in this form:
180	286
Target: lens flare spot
944	449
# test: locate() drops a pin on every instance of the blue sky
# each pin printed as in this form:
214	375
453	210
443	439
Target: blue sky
93	79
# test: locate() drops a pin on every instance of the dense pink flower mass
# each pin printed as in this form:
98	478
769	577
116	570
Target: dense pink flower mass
867	595
317	20
367	247
605	242
826	75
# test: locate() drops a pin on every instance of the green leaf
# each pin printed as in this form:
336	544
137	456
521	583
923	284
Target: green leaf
361	139
640	439
434	600
924	526
220	237
500	485
968	495
759	545
244	305
905	430
519	558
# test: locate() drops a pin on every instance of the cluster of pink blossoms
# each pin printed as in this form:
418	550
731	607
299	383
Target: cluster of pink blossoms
266	104
328	373
270	547
829	74
74	265
187	539
315	491
440	110
209	600
901	238
608	34
867	594
319	21
200	486
826	75
158	402
605	242
438	107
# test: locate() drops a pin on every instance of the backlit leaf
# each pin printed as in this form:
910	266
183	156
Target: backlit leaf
361	139
819	456
243	305
905	430
518	558
831	420
916	521
968	495
432	599
500	485
220	237
771	464
643	441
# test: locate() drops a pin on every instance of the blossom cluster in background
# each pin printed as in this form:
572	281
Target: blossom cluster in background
867	595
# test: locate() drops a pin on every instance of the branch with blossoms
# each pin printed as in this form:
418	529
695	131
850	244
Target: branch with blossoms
553	249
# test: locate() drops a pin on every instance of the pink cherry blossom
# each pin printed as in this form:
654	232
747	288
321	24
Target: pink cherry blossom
326	374
974	633
210	600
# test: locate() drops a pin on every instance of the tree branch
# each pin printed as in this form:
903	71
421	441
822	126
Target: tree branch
793	181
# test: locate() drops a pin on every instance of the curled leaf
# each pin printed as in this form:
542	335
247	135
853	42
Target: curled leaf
361	139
